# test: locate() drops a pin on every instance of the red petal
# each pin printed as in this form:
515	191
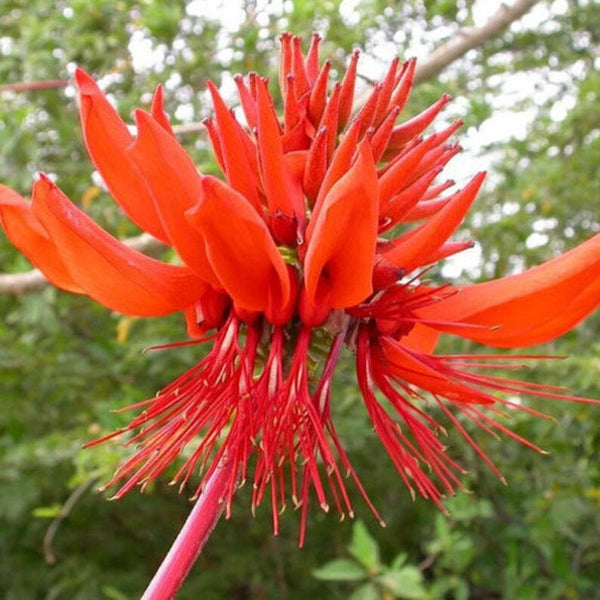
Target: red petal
107	138
342	236
282	195
347	91
239	173
316	165
340	161
285	63
27	234
113	274
404	83
420	245
401	172
176	186
529	308
387	88
299	68
404	206
158	110
318	94
415	368
248	102
415	126
240	248
421	338
312	58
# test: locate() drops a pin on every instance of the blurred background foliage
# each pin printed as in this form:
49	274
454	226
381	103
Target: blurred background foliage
530	101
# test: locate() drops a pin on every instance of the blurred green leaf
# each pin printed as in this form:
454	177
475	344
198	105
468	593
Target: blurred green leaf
340	569
363	546
367	591
47	512
406	582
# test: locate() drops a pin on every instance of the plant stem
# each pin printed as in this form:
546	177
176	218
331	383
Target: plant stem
191	539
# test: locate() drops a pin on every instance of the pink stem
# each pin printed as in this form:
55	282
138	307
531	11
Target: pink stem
191	539
26	86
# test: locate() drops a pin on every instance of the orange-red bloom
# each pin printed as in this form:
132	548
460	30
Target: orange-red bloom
311	229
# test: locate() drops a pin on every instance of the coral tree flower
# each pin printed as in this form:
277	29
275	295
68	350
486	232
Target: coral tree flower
318	234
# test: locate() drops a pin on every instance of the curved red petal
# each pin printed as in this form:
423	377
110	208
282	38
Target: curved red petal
176	186
421	338
27	234
113	274
529	308
238	170
420	245
281	192
107	138
413	367
158	111
240	248
342	237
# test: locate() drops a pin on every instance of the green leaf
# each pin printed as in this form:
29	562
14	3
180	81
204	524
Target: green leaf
47	512
112	593
364	547
367	591
404	583
340	569
398	561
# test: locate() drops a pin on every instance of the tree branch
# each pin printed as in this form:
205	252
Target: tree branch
470	38
439	59
65	511
34	85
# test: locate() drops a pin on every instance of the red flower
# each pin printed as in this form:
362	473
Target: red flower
308	240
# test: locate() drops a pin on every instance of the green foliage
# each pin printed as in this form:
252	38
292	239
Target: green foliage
66	363
370	577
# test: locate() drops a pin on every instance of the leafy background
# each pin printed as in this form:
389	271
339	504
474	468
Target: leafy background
65	362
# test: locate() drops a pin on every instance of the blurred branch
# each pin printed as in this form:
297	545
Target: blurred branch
469	38
34	85
34	281
66	509
188	128
439	59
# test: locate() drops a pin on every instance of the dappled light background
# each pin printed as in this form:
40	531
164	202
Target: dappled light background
528	92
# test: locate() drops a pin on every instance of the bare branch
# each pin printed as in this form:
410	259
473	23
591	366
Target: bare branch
470	38
66	509
185	128
34	85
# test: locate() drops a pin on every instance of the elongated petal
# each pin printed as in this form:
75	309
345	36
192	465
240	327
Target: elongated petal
421	338
176	186
107	138
340	161
113	274
240	247
239	173
158	110
419	246
413	367
529	308
342	236
408	130
27	234
282	195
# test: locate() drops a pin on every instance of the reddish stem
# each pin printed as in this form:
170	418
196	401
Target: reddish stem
191	539
27	86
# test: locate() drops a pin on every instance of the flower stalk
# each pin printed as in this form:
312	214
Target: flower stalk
191	539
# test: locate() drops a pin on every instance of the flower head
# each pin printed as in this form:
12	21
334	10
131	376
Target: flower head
317	236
